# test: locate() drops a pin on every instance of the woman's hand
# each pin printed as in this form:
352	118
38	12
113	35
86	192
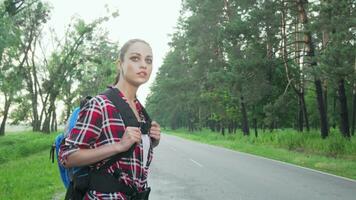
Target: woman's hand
83	157
131	136
155	133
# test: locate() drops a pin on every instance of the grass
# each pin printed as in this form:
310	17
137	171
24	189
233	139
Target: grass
26	171
334	155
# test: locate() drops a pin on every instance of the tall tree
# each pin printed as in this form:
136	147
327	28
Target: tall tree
16	44
310	53
337	55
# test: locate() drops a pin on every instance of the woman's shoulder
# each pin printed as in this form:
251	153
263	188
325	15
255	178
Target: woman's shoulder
99	101
101	98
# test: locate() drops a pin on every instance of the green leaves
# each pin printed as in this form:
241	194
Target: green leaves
226	51
82	58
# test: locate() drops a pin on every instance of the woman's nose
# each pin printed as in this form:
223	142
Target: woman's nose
143	64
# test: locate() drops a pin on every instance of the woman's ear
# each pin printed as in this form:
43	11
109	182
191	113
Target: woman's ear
118	65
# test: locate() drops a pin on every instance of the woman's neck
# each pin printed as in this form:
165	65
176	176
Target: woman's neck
128	90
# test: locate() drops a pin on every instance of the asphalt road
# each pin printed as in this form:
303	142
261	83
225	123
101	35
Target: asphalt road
186	170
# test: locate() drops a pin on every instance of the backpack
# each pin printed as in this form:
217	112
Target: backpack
76	180
66	173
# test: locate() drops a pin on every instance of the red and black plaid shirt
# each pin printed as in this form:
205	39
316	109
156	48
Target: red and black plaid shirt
100	123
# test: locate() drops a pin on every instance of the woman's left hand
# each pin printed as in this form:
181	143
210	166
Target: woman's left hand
155	133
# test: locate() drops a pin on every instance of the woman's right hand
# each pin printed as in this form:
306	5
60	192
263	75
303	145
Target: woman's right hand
132	135
89	156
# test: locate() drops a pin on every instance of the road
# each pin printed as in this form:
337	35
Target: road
187	170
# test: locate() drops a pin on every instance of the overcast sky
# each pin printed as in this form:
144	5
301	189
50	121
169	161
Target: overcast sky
151	20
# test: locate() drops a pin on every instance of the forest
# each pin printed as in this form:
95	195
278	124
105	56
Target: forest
246	65
254	65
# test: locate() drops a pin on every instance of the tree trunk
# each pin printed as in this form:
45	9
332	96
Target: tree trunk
305	112
334	111
229	127
353	105
325	92
255	126
218	126
271	126
303	18
325	41
31	77
46	124
46	127
36	123
353	110
299	90
323	117
344	117
54	120
7	104
301	114
245	127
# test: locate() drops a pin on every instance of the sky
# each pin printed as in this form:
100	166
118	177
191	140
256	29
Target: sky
151	20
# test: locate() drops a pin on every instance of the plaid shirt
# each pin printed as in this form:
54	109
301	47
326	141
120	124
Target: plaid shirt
100	123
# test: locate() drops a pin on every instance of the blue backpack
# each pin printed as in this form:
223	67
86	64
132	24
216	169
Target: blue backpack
66	173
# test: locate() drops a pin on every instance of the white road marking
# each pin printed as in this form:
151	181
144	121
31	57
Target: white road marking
200	165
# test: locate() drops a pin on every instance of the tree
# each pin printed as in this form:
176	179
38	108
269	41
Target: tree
15	44
62	65
310	54
97	67
338	54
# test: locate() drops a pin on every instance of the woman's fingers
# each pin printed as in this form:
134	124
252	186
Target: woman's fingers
133	134
155	132
155	124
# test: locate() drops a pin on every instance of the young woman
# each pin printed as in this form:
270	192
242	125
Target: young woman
100	132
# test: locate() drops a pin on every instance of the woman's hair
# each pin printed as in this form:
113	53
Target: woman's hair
123	51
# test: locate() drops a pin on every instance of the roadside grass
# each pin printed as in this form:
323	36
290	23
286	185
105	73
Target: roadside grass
26	171
334	155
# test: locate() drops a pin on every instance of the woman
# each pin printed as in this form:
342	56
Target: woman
100	132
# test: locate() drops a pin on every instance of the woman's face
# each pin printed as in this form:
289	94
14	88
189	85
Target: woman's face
136	67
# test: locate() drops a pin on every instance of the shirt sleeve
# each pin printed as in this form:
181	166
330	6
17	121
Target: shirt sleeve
85	132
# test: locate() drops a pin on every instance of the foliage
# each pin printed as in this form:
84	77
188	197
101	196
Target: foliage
34	84
233	61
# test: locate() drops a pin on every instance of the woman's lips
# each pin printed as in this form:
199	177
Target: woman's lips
142	73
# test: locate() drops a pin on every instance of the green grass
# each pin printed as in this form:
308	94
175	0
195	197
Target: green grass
334	155
26	171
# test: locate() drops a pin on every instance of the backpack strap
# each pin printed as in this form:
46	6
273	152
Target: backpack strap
129	119
145	127
126	112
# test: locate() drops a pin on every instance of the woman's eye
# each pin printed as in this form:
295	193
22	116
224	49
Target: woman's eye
135	58
148	60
